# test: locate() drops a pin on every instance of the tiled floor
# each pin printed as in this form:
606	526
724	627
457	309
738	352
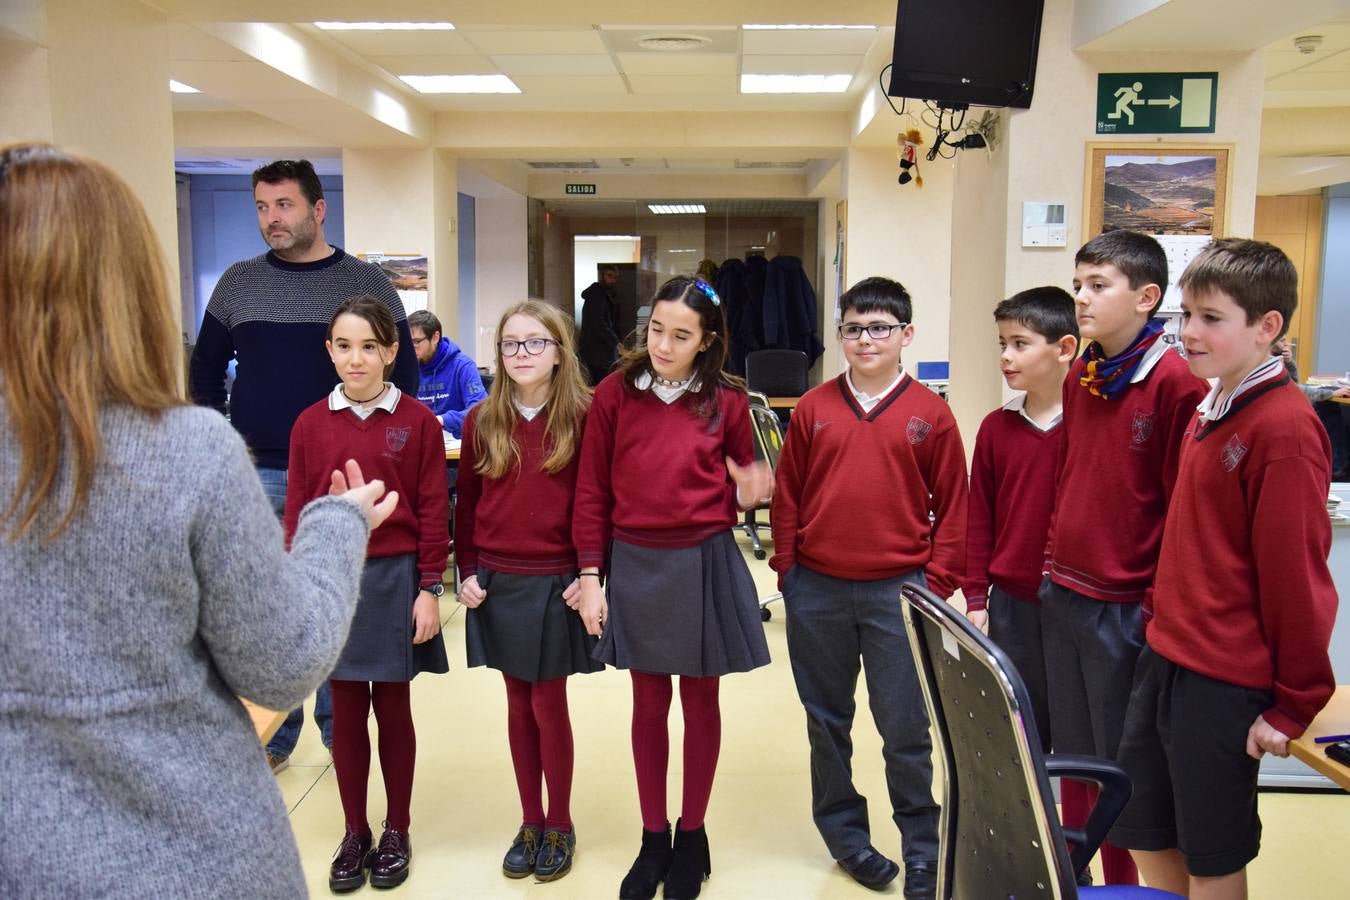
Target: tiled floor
465	808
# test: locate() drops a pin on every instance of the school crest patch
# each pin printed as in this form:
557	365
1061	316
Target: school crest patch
918	430
1232	453
1141	427
396	438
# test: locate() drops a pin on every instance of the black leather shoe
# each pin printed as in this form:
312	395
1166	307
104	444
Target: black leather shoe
921	880
390	860
650	867
519	860
690	864
869	868
348	871
554	859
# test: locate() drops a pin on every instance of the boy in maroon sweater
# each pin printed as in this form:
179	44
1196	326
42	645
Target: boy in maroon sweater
1126	403
1012	483
1243	605
869	456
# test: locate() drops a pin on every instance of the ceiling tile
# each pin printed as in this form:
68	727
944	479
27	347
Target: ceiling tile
1332	62
656	63
402	43
556	64
801	64
688	84
467	64
852	41
717	40
500	43
575	85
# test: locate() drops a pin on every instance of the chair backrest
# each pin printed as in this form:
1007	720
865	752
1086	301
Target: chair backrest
778	373
1000	833
768	433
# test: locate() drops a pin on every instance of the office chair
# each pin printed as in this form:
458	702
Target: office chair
1000	832
768	444
777	373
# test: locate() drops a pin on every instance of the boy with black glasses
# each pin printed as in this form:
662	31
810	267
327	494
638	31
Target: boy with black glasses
871	494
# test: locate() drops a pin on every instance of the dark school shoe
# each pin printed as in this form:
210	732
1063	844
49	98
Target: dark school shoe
690	864
348	871
650	867
391	859
869	868
921	879
519	859
554	859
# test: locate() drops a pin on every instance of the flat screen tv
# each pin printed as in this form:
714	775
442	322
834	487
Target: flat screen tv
971	52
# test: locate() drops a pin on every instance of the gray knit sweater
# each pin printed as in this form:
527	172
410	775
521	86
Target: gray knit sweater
127	766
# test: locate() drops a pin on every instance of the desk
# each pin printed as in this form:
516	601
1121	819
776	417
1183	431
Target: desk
1334	719
265	721
783	402
452	454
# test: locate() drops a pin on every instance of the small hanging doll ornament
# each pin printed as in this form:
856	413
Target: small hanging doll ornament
909	142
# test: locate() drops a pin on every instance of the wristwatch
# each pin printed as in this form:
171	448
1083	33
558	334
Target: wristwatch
435	590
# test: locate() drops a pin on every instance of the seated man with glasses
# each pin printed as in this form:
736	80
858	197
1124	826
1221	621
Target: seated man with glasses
450	382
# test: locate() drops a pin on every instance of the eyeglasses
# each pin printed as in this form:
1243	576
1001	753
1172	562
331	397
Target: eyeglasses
420	340
877	331
533	347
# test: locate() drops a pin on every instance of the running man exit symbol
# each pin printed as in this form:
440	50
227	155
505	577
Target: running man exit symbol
1156	102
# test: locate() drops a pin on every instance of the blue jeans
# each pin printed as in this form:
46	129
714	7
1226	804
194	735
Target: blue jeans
283	742
834	628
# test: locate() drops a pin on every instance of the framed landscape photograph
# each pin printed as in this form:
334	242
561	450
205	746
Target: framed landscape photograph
1160	189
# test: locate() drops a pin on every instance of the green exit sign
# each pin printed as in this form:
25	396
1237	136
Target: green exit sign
1156	102
581	189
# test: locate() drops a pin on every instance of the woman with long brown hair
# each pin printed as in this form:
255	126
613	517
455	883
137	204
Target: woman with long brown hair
143	575
518	567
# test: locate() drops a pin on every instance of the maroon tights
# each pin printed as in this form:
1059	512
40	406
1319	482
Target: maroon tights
651	745
540	734
352	701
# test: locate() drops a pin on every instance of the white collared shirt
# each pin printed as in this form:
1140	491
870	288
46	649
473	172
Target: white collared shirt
339	401
647	382
1154	353
1212	411
528	412
1018	404
868	403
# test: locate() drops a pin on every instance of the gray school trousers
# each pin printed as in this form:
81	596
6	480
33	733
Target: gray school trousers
835	627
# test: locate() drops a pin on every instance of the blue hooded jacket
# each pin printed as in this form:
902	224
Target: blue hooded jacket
450	385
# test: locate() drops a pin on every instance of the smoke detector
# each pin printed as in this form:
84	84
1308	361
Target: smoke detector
673	42
1307	44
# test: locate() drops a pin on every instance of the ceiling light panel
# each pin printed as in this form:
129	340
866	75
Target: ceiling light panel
460	84
795	84
677	209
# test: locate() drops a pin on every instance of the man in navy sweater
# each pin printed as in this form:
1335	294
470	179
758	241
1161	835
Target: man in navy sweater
450	381
270	315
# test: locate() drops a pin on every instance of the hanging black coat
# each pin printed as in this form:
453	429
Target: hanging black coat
789	308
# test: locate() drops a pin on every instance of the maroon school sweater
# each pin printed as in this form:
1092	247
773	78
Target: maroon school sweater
1118	461
519	523
1012	493
853	496
404	449
654	474
1243	594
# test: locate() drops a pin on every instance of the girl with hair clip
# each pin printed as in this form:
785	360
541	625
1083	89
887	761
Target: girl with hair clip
665	464
144	577
397	629
518	566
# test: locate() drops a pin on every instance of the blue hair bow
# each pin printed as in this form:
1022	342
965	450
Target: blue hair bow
708	291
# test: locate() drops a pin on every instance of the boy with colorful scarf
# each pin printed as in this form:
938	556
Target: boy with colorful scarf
1236	663
1126	404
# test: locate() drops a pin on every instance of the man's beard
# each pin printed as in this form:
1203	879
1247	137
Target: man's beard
296	242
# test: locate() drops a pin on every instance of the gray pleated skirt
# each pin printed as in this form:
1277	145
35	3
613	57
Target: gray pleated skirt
380	646
525	629
682	611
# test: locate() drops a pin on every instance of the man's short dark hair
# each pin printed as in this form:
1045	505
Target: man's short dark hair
1048	311
878	294
1139	257
608	270
426	321
301	171
1258	276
